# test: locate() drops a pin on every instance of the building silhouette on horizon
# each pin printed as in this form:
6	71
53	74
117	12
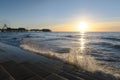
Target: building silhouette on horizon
5	28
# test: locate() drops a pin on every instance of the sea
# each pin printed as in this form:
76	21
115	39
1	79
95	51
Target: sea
92	51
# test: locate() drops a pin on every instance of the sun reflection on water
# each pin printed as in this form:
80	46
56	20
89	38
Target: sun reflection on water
82	42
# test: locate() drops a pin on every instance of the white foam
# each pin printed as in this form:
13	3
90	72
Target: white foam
76	58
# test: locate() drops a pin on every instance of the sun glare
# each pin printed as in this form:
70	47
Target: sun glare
83	26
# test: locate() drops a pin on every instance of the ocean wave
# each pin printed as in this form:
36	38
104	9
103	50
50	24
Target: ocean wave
109	60
117	46
73	36
74	57
62	50
106	44
34	36
101	43
52	39
45	46
111	38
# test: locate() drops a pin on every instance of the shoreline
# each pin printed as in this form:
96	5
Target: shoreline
18	55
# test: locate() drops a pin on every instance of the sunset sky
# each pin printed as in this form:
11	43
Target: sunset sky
62	15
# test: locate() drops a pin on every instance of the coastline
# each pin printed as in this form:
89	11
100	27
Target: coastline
11	53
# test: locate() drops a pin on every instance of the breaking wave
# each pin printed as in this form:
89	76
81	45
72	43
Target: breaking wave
74	57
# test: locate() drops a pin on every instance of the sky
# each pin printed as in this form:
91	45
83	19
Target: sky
61	15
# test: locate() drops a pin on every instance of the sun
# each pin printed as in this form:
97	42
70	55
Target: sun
83	26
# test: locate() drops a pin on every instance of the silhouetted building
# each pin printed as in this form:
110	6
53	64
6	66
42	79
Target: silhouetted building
22	29
35	30
40	30
14	30
46	30
4	28
8	29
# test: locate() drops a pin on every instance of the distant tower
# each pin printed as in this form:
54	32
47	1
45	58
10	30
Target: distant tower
4	28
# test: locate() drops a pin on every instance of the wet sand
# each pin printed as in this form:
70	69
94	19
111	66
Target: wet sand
18	64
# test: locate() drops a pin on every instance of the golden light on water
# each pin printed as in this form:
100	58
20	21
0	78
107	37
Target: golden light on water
83	26
82	42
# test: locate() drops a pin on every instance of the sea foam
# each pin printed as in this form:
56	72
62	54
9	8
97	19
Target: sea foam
80	60
74	57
